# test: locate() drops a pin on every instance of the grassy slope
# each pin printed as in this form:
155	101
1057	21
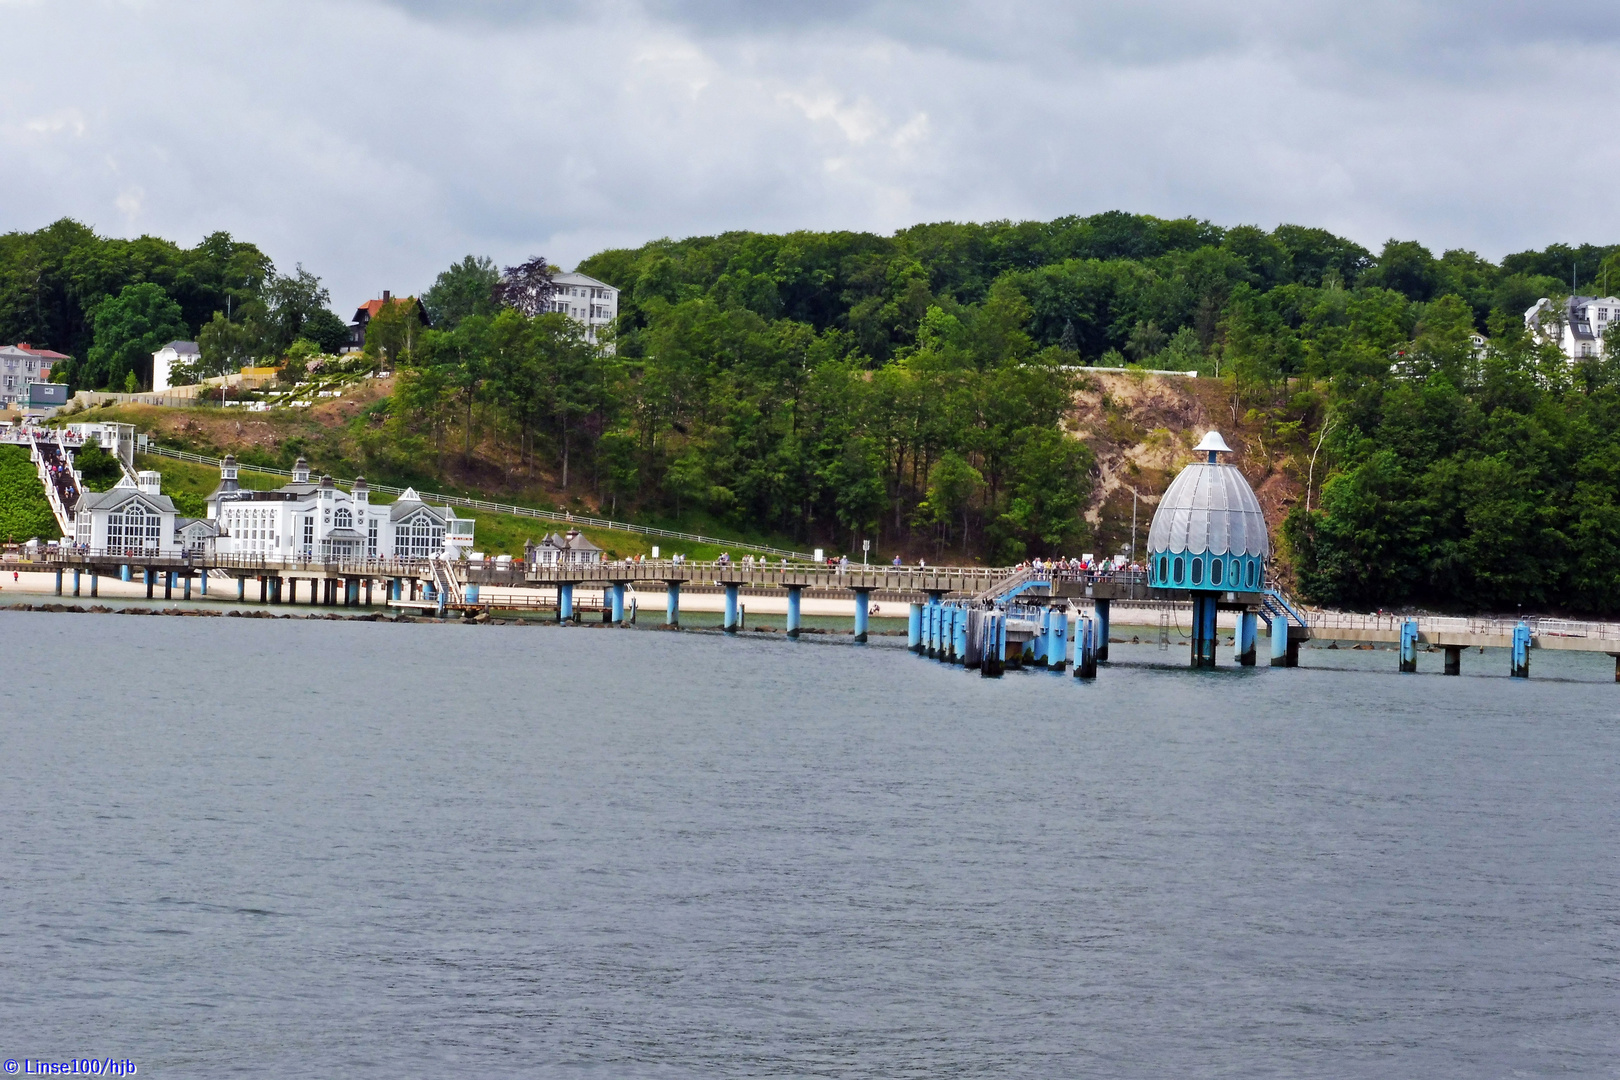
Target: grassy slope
495	534
24	511
333	437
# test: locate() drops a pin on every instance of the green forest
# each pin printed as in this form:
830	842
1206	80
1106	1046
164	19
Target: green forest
913	389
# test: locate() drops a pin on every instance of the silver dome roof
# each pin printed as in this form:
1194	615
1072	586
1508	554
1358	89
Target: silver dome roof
1209	507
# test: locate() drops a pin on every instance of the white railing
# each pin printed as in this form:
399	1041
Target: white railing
1325	621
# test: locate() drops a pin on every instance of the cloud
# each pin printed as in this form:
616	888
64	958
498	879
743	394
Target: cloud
378	141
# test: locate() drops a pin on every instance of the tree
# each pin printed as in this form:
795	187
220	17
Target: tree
99	468
326	330
392	334
129	328
953	484
466	288
527	287
224	346
293	301
1146	341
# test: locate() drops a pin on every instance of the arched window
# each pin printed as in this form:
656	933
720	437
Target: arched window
1181	570
1248	573
343	519
1164	569
1217	571
1197	571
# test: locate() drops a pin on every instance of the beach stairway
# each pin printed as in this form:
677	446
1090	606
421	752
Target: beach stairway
62	482
444	580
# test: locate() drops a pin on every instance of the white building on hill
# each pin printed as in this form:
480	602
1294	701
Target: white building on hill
316	519
171	356
592	303
1578	328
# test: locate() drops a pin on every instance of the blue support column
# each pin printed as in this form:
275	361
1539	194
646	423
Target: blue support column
616	594
935	641
862	597
565	602
914	624
202	582
1521	651
794	595
1203	634
58	581
186	593
241	589
959	635
1085	648
123	572
168	584
472	594
731	609
1248	633
995	646
1409	640
95	584
1101	611
1057	649
75	582
672	603
1277	632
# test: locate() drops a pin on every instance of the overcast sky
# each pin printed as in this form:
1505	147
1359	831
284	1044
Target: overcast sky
375	141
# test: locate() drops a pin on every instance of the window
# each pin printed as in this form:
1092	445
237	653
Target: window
1198	571
309	534
1217	569
343	519
1164	569
1181	570
418	537
371	537
1248	573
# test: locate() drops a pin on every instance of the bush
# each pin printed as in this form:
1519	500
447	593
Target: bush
99	468
24	511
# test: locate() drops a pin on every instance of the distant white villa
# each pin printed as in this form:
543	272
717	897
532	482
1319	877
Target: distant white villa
1578	328
166	359
594	304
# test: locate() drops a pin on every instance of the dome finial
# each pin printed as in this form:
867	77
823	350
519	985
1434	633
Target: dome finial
1213	444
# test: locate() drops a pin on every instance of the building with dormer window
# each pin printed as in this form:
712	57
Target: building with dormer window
128	519
1578	327
315	519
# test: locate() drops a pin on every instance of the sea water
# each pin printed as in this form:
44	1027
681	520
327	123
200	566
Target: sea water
353	849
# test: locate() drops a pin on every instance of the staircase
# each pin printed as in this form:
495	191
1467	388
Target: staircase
62	483
444	580
1010	586
1275	603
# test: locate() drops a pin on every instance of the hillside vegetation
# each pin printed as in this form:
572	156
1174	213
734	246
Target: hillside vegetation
24	511
928	391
